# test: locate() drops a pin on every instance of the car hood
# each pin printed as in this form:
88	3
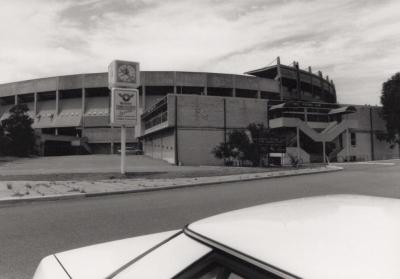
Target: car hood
101	260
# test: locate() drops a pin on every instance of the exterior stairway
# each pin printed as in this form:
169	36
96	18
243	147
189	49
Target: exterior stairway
332	131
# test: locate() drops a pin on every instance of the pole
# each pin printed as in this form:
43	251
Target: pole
176	132
323	152
112	140
123	149
371	134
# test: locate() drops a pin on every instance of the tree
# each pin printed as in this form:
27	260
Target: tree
244	145
234	148
18	134
4	142
390	100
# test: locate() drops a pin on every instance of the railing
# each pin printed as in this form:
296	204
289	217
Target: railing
156	120
155	107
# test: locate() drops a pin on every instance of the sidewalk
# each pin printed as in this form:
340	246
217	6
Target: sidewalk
24	191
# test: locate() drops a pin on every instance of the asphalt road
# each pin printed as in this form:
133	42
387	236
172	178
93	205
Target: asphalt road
31	231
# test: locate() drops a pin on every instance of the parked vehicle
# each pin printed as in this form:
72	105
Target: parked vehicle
132	150
339	236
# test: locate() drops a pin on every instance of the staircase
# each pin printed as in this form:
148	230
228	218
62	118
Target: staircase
333	155
332	131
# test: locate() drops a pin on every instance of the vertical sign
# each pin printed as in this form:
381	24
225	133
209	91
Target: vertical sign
123	79
124	106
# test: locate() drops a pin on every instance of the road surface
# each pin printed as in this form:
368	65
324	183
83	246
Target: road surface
31	231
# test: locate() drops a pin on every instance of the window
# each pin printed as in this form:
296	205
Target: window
219	265
353	139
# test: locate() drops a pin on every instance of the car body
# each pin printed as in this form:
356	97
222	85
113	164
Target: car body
338	236
132	151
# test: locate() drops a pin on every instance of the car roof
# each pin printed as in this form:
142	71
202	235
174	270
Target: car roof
338	236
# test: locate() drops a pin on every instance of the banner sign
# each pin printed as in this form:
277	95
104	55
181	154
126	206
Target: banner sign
124	106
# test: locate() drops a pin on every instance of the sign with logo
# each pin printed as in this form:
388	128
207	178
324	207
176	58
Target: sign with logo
123	74
124	106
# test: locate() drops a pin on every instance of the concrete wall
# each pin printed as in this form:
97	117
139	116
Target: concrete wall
208	111
148	78
108	135
195	146
200	111
362	150
201	123
240	112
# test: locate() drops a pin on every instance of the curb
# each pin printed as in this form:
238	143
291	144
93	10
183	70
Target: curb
241	178
10	201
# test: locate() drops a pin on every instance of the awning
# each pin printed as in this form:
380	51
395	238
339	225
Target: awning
68	119
279	106
96	121
343	110
43	122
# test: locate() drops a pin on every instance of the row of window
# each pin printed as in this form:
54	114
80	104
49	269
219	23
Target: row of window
156	120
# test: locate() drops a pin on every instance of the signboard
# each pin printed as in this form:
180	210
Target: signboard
123	74
123	78
124	106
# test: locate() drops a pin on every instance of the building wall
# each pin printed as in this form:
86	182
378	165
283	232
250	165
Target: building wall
205	116
363	149
196	145
201	123
108	135
240	112
161	146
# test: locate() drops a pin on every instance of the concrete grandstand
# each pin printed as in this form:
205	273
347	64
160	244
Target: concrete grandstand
186	114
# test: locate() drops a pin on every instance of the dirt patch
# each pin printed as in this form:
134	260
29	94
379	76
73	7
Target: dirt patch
5	160
133	175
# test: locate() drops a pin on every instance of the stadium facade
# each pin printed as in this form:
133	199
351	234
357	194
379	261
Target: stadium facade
184	115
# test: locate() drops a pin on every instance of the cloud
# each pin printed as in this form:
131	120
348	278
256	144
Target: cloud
354	42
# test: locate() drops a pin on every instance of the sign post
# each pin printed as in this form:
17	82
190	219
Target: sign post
123	79
123	149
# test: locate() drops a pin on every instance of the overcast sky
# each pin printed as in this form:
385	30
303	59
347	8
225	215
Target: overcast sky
357	43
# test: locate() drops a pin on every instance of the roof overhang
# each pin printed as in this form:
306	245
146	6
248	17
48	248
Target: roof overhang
343	110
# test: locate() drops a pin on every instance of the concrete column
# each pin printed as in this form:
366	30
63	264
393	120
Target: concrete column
258	94
347	145
143	83
174	82
298	142
83	105
57	97
305	115
112	139
143	97
35	99
57	102
278	63
205	85
233	86
16	100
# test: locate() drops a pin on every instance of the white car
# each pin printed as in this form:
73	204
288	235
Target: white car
339	236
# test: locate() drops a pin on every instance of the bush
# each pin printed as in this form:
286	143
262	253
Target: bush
17	138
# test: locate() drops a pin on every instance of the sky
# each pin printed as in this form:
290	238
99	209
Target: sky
356	43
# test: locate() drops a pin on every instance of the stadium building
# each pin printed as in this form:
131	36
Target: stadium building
184	115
